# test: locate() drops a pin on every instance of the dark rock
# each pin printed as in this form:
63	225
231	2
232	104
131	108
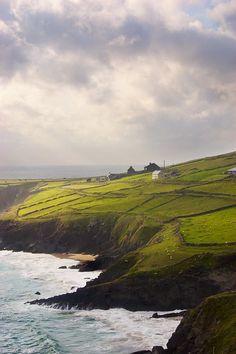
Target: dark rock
62	267
80	236
142	352
37	293
169	315
73	288
100	263
75	266
209	328
158	350
162	293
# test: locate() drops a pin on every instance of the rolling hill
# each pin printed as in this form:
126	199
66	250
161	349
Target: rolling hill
153	229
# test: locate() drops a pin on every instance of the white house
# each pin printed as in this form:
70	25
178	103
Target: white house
102	179
155	175
232	171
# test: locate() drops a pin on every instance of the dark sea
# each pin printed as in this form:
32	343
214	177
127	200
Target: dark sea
58	172
33	329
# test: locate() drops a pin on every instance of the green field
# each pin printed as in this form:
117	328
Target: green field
218	228
189	210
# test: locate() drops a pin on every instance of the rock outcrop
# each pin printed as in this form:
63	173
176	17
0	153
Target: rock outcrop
209	328
166	292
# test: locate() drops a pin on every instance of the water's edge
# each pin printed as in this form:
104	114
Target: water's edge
37	329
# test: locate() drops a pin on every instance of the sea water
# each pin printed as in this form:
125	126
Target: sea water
37	329
57	172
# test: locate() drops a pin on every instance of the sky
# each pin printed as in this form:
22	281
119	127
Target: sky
116	81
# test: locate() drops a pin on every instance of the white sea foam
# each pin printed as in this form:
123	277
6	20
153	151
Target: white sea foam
134	327
45	268
113	331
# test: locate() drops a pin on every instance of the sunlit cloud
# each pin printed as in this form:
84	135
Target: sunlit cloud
116	82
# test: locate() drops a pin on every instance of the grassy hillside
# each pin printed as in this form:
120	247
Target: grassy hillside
210	328
190	210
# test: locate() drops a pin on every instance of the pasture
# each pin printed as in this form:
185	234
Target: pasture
188	211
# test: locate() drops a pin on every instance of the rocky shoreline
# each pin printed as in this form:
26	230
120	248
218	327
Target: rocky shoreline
181	287
166	292
209	328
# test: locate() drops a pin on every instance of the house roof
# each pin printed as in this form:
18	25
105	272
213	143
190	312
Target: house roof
151	164
232	170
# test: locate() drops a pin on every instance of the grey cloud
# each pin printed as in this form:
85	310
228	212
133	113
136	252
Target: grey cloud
231	21
12	55
211	52
193	111
224	13
64	32
6	13
178	138
72	32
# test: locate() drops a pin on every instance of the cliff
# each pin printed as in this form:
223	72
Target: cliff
210	328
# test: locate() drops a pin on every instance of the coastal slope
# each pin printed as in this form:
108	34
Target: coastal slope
173	237
210	328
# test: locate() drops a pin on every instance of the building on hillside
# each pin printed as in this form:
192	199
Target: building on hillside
131	171
155	175
232	171
151	167
113	176
102	179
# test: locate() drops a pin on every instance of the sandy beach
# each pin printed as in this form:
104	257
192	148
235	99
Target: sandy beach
80	257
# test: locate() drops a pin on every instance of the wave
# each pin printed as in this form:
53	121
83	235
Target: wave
41	330
45	269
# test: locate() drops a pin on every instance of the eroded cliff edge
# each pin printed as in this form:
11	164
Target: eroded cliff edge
209	328
183	286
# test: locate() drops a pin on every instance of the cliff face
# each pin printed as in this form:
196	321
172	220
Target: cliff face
83	235
14	194
97	234
210	328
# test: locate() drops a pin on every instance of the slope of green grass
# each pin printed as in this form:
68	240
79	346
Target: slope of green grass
206	169
208	163
209	328
203	176
218	227
148	212
227	186
190	205
165	252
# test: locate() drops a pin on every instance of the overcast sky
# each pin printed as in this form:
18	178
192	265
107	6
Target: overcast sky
116	81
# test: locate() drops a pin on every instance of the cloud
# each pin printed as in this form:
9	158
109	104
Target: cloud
224	13
121	81
12	55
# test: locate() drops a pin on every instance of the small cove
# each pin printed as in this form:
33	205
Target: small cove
43	330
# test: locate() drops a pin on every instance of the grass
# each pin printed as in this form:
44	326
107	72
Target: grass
166	198
227	186
203	176
211	326
190	205
165	252
215	228
164	217
210	163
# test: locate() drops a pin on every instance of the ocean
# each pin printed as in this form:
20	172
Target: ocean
36	329
58	172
